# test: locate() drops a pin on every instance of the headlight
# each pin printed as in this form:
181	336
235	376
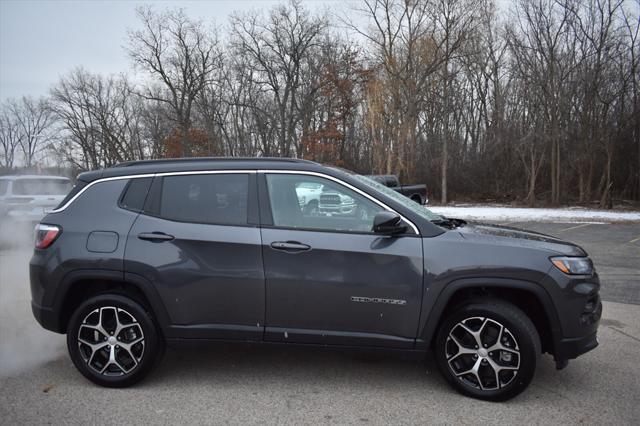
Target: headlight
573	265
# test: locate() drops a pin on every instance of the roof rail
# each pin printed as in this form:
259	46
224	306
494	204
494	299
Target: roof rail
207	159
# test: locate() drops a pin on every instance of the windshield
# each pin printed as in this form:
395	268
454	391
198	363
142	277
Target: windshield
410	204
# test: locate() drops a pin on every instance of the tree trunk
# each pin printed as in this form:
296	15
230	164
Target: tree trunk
445	157
533	174
606	201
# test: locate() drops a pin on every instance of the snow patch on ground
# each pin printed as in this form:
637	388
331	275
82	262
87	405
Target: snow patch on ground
516	214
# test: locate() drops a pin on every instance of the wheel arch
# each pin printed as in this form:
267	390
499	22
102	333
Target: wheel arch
528	296
78	286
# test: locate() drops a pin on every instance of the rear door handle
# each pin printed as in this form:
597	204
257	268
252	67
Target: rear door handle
290	246
156	237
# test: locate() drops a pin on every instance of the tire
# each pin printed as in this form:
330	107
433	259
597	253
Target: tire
501	369
417	199
108	358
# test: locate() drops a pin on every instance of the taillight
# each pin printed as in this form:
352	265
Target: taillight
46	235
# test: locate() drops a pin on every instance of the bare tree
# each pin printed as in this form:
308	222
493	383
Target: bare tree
413	40
181	55
101	119
10	135
35	120
277	50
539	104
631	26
544	48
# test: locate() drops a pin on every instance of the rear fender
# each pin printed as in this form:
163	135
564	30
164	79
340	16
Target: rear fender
128	279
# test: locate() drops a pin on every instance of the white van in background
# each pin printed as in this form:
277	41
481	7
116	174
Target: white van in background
27	198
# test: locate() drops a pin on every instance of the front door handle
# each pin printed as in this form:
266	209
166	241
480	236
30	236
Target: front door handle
290	246
155	237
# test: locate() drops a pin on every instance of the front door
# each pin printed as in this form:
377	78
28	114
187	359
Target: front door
329	279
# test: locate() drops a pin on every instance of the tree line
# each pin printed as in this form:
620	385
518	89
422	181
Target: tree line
537	103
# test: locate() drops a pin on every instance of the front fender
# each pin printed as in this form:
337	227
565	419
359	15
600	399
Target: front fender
431	319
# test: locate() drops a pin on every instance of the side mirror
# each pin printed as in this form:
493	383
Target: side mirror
388	223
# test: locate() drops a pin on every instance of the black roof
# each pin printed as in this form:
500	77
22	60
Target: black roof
192	160
200	163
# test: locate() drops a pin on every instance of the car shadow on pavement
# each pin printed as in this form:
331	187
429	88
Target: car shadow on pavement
213	362
280	365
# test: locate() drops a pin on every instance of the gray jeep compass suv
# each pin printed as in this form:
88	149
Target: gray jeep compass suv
223	249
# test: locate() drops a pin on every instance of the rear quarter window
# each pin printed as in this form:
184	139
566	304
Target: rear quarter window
76	189
135	194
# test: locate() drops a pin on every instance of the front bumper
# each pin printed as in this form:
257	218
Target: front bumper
572	348
578	309
568	348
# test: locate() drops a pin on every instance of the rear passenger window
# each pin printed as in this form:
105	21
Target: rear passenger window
209	198
135	193
3	186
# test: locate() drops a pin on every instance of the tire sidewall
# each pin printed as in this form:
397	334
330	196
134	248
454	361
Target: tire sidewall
152	345
529	351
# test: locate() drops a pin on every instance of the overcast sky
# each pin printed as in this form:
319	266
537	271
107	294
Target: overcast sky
41	40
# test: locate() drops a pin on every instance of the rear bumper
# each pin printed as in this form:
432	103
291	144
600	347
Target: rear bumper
46	317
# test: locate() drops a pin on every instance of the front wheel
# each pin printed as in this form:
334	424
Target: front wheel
488	350
113	341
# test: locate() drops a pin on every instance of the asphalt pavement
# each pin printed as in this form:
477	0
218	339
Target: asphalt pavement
249	384
238	384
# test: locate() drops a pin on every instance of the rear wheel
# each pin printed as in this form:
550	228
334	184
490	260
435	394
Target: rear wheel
113	341
488	350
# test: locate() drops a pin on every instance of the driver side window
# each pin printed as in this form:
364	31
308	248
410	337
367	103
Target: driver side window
311	202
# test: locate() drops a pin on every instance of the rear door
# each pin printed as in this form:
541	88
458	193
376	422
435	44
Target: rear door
197	241
329	279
